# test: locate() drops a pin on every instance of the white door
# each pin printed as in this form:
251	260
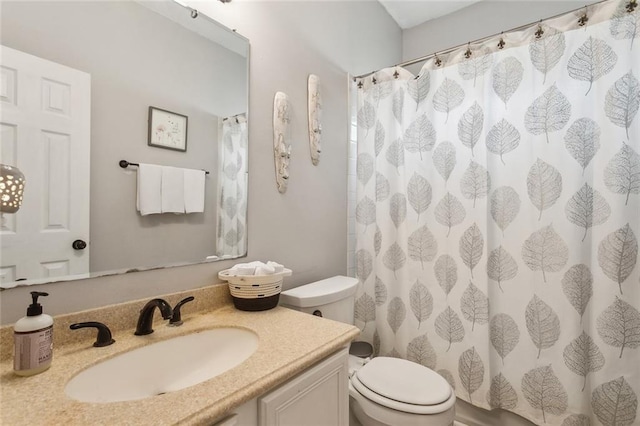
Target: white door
45	132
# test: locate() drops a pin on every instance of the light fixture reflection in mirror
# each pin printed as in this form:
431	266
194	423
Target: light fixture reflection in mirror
12	183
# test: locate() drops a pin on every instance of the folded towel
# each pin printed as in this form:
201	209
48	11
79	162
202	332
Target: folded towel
243	269
256	268
149	190
172	190
276	267
194	190
265	270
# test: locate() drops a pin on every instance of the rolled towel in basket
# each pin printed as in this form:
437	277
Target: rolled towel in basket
264	269
276	267
256	268
243	269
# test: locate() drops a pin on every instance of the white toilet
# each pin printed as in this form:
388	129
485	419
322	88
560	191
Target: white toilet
383	390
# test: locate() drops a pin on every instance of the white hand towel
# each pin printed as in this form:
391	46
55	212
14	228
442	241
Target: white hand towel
172	190
149	190
194	181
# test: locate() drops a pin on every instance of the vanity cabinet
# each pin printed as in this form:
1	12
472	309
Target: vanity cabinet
317	396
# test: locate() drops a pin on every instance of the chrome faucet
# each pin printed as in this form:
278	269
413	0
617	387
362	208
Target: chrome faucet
145	320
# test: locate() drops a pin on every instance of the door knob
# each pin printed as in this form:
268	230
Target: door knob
79	245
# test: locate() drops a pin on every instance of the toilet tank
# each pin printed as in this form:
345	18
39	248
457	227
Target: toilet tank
331	298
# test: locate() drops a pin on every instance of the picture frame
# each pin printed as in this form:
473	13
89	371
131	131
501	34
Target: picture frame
167	129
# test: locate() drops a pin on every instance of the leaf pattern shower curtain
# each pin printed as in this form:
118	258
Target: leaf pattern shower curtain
232	175
498	216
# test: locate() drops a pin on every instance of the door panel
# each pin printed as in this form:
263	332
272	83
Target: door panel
45	123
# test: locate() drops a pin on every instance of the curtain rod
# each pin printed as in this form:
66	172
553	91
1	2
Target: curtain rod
630	8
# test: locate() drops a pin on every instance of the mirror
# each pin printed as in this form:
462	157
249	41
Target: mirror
79	80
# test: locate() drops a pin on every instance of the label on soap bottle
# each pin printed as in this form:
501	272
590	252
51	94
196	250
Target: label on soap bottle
33	348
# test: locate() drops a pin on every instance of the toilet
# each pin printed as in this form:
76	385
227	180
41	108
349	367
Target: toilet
382	390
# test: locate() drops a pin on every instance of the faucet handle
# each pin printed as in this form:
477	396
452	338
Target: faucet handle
104	334
176	319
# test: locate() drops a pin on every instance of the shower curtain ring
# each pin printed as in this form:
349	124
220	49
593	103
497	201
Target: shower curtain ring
396	74
631	6
468	53
438	61
539	31
501	43
582	21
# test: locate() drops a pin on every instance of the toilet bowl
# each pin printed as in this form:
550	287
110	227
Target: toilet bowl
383	390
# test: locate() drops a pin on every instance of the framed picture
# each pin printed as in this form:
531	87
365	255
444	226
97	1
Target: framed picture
167	129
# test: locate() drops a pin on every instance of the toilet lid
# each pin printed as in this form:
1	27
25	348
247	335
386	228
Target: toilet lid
404	381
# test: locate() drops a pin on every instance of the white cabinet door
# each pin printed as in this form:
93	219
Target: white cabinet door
317	397
244	415
45	113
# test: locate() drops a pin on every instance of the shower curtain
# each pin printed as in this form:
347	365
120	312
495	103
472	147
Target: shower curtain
232	176
498	216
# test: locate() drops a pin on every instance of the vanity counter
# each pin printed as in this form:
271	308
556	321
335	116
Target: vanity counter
289	342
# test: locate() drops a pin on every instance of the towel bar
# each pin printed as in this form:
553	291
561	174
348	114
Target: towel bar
124	164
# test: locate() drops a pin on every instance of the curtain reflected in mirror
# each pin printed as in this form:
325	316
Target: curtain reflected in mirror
232	178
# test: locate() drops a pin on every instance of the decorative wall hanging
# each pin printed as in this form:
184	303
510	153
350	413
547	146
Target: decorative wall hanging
497	219
281	144
167	129
315	118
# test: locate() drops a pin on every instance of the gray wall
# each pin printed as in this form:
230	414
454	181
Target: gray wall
305	229
476	21
137	59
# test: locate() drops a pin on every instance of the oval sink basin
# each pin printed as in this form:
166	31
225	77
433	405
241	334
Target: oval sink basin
165	366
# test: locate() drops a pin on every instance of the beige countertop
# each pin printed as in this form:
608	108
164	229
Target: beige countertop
289	342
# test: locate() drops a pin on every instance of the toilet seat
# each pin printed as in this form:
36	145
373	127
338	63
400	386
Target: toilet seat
403	386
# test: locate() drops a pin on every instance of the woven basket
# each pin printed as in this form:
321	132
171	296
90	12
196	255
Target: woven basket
254	292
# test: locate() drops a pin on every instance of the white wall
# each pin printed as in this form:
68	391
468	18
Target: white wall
305	229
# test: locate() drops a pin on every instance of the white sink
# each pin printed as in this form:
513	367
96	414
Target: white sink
165	366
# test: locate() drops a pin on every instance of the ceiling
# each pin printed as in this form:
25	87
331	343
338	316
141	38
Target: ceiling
409	13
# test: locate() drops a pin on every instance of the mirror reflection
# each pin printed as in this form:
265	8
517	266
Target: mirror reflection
88	84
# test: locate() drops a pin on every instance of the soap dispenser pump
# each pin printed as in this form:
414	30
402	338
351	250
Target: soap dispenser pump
33	340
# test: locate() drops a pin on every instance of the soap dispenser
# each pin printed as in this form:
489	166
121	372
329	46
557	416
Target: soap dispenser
33	340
